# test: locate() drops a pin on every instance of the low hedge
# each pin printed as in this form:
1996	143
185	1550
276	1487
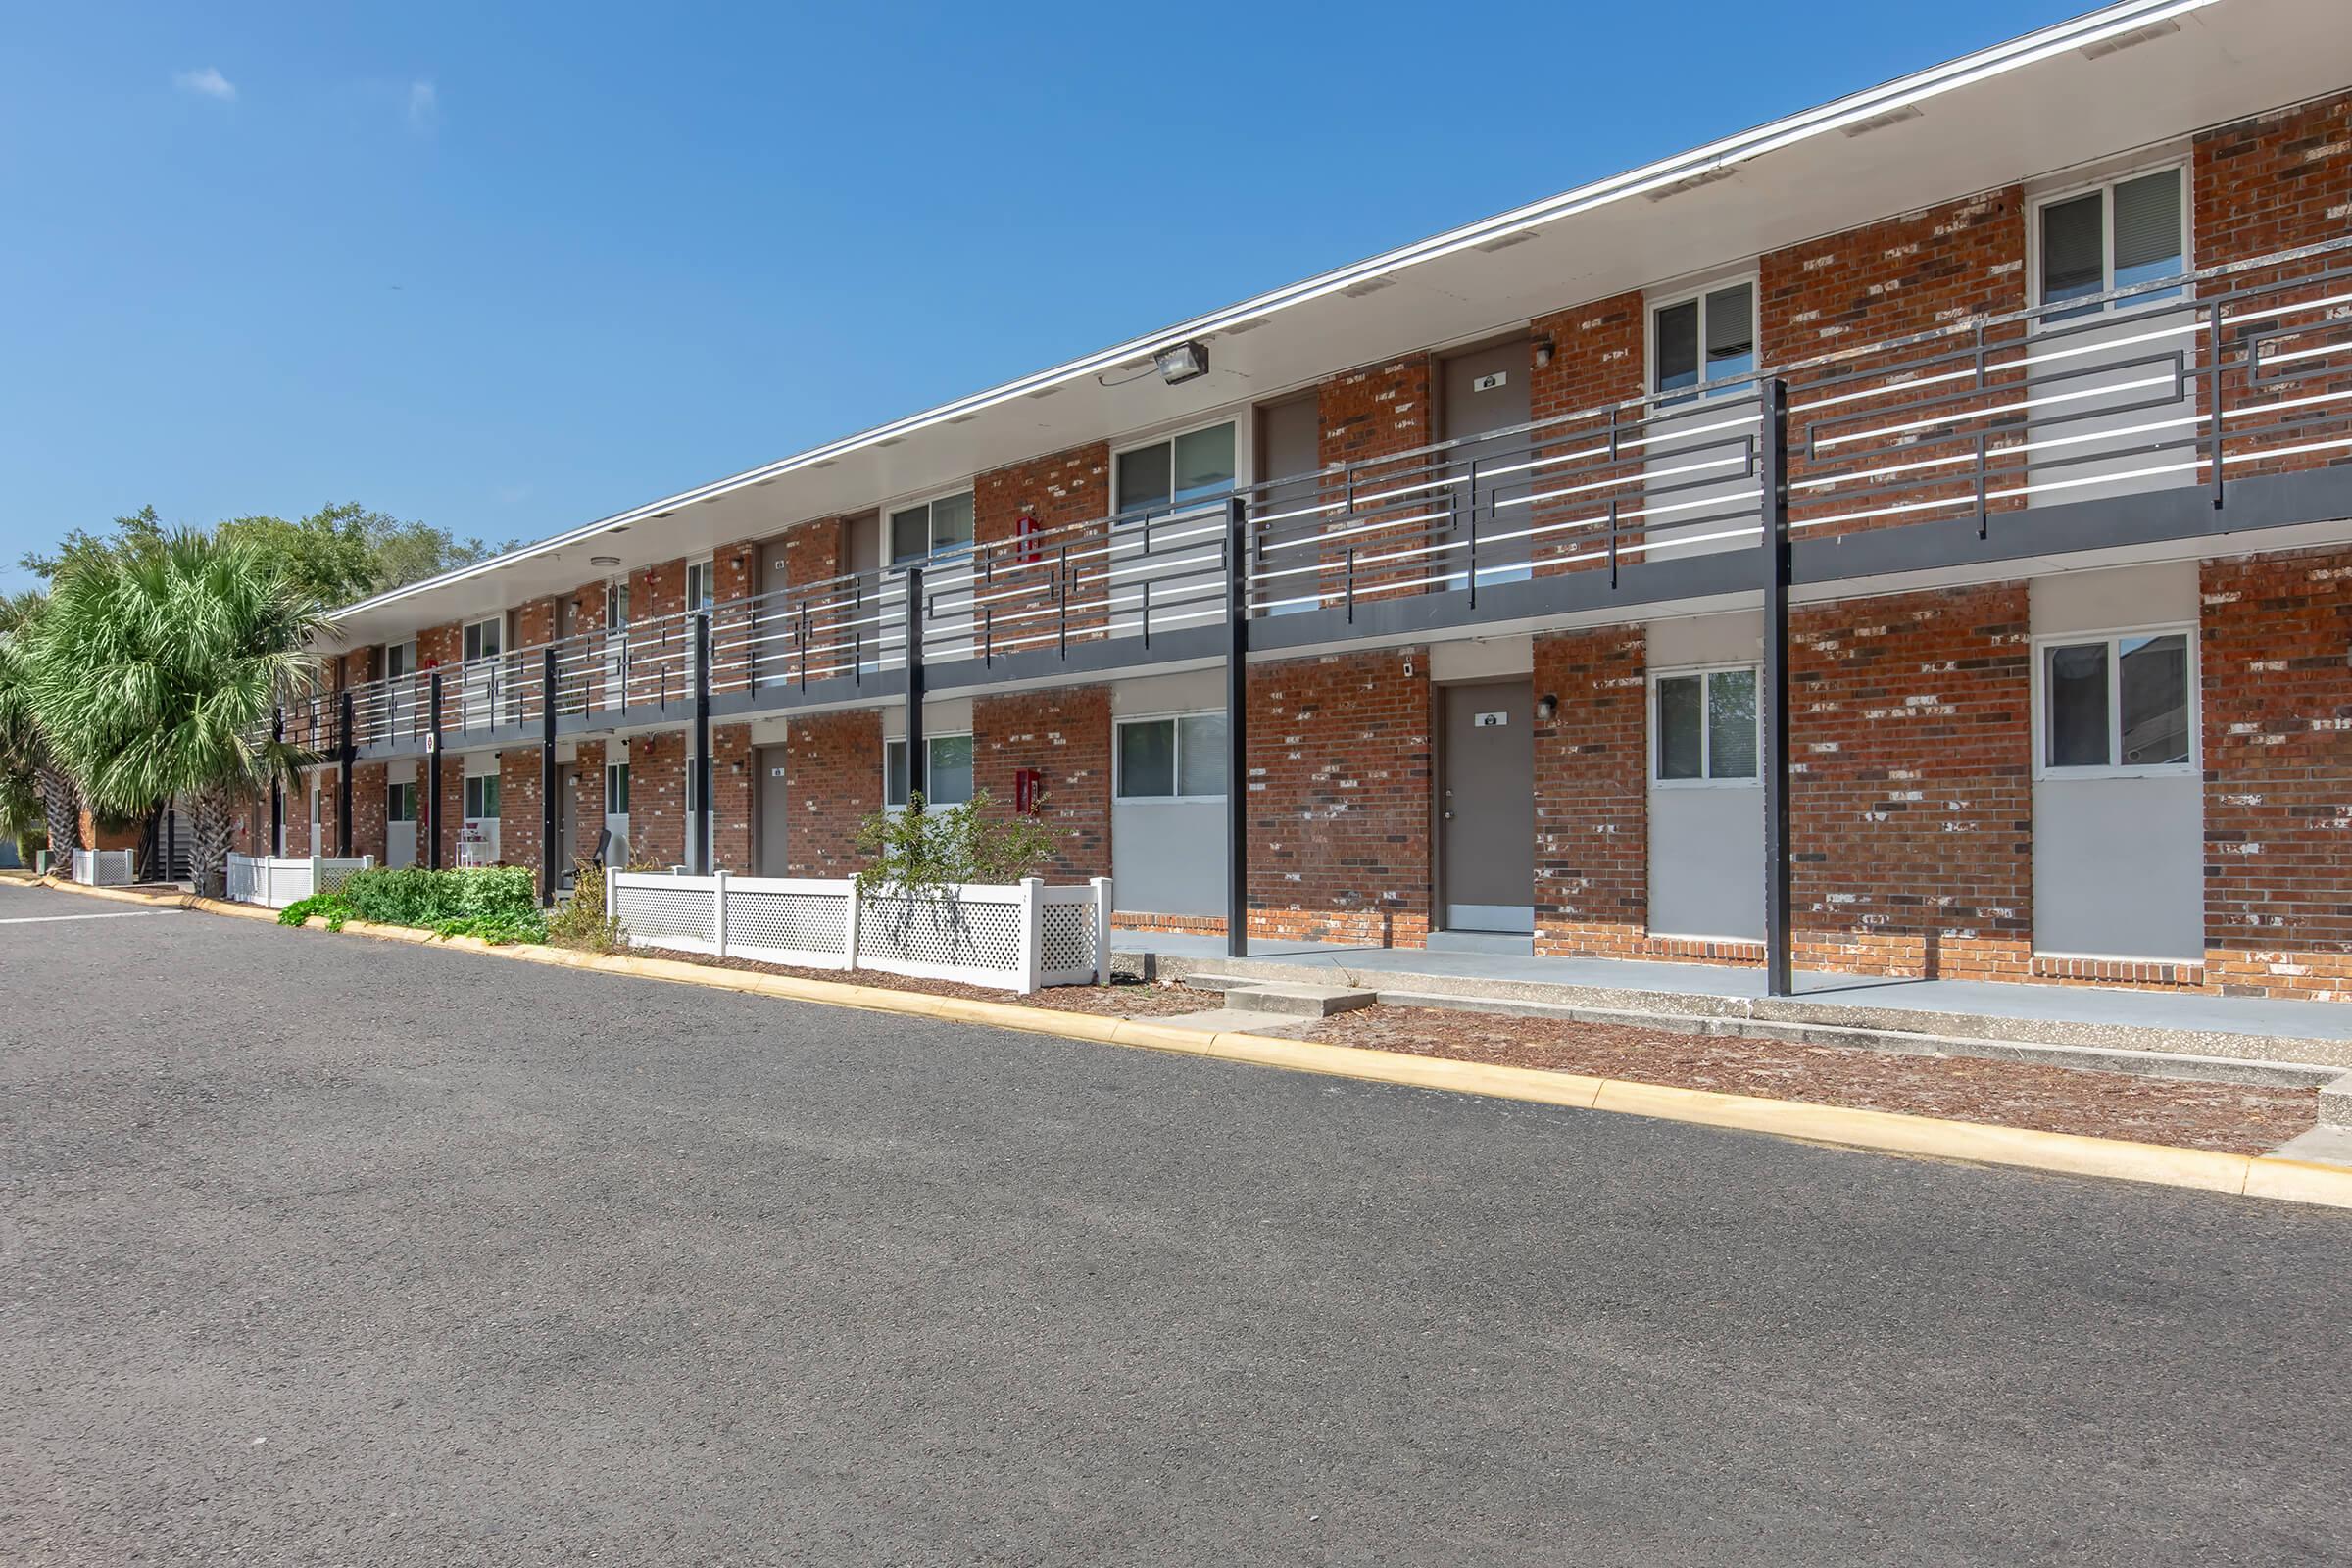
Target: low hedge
499	904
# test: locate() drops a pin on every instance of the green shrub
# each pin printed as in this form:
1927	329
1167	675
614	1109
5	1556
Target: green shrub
331	906
415	897
921	855
496	929
581	920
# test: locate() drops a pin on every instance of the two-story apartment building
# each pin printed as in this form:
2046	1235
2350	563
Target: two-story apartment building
1932	507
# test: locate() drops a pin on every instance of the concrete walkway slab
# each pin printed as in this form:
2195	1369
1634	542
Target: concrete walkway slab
2078	1015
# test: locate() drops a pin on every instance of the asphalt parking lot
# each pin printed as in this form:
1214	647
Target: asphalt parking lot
323	1250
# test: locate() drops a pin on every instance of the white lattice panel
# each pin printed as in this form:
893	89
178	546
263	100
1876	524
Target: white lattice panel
1065	942
667	917
962	933
979	935
789	927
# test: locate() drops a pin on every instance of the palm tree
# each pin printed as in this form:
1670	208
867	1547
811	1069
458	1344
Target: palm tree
25	760
153	675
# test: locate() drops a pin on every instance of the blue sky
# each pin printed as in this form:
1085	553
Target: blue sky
506	269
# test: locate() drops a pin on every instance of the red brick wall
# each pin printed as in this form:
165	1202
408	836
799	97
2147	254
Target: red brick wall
1339	807
1903	274
815	552
452	807
658	590
833	781
297	808
440	645
1912	801
589	801
1591	855
658	797
1364	414
734	577
2276	693
2274	182
735	569
1597	362
519	806
1059	488
1907	274
1064	734
1596	357
370	782
1373	410
731	785
534	623
436	647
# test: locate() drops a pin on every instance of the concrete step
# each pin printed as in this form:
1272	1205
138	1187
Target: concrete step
1296	998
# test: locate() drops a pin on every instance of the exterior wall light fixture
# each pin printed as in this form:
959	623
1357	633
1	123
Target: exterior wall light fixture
1186	362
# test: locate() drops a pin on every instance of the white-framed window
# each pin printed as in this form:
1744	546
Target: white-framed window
949	775
481	796
616	606
939	527
1704	729
701	580
483	639
2124	232
400	658
1172	757
1703	337
2116	705
1192	465
400	802
616	789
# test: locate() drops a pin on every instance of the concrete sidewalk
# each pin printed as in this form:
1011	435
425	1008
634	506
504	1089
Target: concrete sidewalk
2243	1027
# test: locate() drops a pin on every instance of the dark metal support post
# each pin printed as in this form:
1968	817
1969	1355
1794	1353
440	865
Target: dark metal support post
1773	477
277	788
1236	729
917	780
346	752
697	821
548	848
432	773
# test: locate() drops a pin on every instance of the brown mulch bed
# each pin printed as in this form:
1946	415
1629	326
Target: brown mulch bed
1128	998
2233	1118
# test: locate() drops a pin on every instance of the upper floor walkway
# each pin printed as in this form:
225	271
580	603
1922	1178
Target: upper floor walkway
2216	402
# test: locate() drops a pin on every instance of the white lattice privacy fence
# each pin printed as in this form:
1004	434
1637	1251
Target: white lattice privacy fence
101	868
277	881
1018	937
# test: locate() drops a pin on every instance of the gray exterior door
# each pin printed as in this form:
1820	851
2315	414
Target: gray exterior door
767	829
1487	807
1478	393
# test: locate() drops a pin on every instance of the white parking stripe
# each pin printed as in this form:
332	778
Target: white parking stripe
48	919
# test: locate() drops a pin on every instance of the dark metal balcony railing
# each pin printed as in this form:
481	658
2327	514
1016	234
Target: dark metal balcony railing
2196	380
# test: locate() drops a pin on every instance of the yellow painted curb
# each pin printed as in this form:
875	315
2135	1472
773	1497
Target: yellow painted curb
1875	1131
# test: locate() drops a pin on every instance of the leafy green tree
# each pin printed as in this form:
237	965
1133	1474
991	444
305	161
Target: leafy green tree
152	673
339	553
141	530
32	778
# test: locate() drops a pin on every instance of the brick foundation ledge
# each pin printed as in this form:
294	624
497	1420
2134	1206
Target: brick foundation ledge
1206	925
2120	971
